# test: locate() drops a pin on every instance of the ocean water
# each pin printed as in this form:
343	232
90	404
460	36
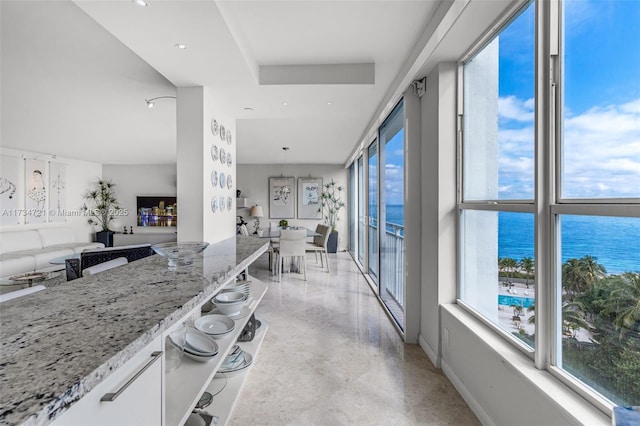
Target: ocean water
614	242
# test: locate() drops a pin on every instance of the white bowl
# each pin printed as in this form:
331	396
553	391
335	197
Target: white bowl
233	308
230	297
215	325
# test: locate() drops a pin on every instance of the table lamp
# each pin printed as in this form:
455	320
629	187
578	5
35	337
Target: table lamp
256	211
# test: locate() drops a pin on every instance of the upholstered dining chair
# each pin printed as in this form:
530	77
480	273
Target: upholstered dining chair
319	244
292	247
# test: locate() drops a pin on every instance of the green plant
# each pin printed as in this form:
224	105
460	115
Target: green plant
331	204
101	204
284	223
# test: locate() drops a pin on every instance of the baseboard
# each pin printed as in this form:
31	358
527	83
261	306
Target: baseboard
431	353
466	395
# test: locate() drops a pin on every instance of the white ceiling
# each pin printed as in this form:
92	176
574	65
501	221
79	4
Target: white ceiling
75	74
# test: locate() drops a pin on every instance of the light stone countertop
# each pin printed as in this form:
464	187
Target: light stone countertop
59	343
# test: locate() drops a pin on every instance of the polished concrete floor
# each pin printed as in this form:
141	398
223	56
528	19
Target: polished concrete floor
332	357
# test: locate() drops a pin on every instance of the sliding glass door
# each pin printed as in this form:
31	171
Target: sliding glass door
372	210
361	211
391	279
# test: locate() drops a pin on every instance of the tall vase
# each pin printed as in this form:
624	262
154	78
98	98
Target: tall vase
332	243
105	237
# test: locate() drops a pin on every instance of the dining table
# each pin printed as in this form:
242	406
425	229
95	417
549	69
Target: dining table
275	232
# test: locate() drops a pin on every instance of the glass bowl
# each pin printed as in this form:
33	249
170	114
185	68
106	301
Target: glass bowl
180	254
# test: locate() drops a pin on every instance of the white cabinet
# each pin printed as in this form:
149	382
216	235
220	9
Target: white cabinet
132	395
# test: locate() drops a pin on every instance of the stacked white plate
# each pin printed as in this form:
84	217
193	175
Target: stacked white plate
197	345
236	362
242	287
216	326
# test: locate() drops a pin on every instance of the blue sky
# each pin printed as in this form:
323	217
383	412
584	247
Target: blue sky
601	128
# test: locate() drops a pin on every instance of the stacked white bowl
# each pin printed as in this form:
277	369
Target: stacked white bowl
230	303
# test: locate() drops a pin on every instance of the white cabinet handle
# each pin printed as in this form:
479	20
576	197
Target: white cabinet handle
111	396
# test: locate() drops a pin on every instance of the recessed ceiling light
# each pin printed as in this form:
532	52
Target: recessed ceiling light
247	109
329	103
181	46
141	3
285	103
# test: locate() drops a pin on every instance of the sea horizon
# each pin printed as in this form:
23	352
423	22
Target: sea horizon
614	242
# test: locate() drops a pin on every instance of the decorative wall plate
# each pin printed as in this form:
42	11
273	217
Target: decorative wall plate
228	138
214	152
223	156
223	133
214	204
223	182
229	159
214	127
214	178
229	203
229	182
221	203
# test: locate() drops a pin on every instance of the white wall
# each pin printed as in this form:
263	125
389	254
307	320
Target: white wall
140	180
438	203
253	181
220	225
197	107
189	169
500	384
80	174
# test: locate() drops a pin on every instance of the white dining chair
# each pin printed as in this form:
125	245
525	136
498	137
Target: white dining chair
292	247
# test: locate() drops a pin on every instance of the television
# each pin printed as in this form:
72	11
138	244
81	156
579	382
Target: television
157	211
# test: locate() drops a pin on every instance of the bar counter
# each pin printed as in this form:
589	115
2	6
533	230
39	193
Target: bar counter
59	343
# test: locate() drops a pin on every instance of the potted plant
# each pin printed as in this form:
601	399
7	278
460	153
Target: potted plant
331	204
102	206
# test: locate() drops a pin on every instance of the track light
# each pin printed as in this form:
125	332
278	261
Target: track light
151	102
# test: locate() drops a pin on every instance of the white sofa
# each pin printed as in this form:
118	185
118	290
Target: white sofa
32	249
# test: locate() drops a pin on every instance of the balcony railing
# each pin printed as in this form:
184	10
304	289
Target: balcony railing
391	274
392	262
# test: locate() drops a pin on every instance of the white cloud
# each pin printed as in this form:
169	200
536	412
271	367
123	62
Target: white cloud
512	108
601	150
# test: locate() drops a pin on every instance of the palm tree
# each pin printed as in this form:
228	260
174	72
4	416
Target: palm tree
572	317
624	302
508	264
591	269
578	275
526	264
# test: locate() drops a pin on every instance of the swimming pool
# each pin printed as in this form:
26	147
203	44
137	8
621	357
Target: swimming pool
507	300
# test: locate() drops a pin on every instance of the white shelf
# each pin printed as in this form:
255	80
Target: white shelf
185	384
224	403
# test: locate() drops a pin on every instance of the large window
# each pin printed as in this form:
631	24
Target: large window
598	303
497	217
550	200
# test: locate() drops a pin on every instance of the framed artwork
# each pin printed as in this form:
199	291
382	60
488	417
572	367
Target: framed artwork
10	190
57	191
309	198
281	198
36	184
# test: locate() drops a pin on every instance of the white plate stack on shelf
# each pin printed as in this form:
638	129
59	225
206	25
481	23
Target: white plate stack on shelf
242	287
197	345
236	362
215	325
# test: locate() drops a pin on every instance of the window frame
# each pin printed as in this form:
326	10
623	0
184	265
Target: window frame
548	204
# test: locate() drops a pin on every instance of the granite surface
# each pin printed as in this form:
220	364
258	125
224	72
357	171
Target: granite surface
59	343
